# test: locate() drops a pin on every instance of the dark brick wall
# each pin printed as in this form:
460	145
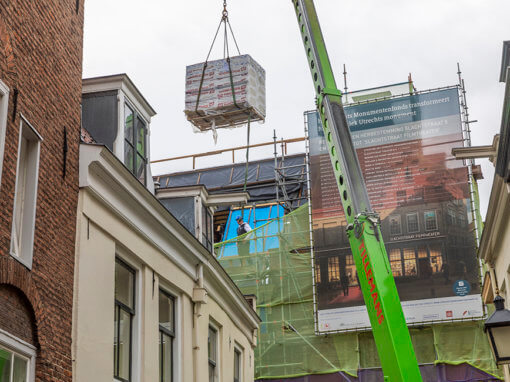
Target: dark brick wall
41	44
16	314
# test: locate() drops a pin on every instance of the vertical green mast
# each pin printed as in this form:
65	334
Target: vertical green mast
377	284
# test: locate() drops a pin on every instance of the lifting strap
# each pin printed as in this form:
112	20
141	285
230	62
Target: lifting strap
226	54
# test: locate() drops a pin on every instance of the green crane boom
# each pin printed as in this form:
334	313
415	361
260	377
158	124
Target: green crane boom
389	327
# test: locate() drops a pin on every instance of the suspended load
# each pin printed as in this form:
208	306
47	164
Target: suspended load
225	93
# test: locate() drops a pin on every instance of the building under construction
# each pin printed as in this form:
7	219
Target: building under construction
275	263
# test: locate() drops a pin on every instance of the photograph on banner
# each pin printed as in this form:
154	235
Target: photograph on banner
422	194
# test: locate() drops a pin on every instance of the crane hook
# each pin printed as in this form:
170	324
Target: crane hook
225	12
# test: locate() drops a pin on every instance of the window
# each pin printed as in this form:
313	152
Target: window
412	223
436	258
212	350
422	253
13	367
123	324
350	270
17	359
401	197
409	174
409	262
135	143
396	262
395	225
166	336
430	220
237	364
25	196
4	102
207	239
333	269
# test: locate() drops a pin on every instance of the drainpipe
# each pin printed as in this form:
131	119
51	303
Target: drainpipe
199	298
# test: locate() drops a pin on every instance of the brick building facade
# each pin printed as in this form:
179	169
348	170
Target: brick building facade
41	46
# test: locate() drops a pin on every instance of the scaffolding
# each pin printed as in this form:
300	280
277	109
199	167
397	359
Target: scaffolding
273	263
283	180
466	135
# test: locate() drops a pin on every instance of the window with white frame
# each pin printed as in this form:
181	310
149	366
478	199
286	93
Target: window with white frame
17	359
135	143
212	351
124	316
4	102
412	223
430	220
13	367
395	225
166	336
25	195
238	357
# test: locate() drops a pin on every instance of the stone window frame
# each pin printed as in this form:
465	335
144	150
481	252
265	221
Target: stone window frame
134	317
29	207
4	106
22	348
214	362
172	333
240	352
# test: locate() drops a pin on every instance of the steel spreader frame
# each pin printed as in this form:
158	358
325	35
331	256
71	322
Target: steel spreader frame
389	327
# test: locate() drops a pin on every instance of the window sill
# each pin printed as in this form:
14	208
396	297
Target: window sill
26	263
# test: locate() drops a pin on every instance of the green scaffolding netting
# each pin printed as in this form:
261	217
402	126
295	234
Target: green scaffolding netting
273	263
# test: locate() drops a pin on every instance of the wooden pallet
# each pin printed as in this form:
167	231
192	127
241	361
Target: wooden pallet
230	118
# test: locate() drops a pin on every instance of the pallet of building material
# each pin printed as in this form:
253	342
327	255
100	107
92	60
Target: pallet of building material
218	106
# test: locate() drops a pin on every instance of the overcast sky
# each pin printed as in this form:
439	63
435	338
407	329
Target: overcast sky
379	41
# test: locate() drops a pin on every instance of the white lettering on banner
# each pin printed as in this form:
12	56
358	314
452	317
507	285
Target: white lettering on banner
369	113
404	132
418	236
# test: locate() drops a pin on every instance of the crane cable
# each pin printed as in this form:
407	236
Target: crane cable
226	55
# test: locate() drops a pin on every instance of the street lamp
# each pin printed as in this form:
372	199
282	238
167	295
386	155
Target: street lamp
498	326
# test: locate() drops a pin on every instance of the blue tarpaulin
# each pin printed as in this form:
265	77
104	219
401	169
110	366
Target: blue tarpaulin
256	216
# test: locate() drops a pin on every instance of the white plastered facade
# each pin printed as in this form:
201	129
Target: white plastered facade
495	244
119	217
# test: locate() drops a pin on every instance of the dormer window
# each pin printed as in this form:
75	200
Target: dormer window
115	114
135	142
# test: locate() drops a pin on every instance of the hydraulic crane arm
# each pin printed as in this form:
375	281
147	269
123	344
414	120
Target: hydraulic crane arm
389	327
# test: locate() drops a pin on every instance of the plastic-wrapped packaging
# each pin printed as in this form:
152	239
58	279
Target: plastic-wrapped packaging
217	107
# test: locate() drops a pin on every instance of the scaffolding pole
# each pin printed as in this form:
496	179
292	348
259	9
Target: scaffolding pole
466	135
283	181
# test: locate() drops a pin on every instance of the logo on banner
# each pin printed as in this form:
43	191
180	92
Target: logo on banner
461	288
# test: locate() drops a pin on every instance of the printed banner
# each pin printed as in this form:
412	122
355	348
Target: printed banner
422	195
